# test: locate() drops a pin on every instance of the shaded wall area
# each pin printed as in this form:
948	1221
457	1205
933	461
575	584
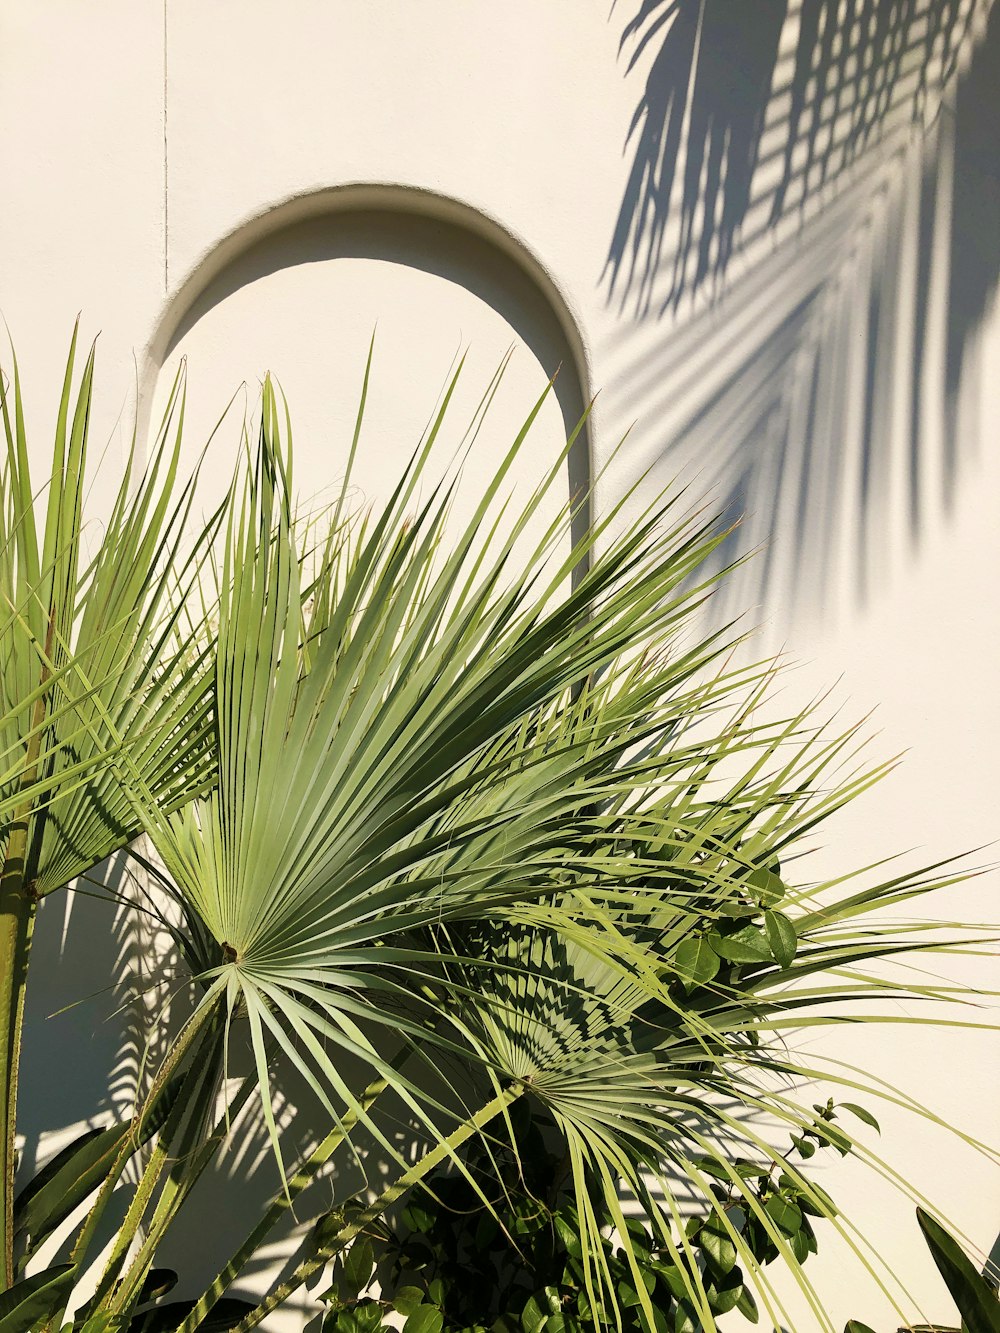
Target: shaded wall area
304	299
806	248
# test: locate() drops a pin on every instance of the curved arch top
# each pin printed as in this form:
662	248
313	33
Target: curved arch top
298	211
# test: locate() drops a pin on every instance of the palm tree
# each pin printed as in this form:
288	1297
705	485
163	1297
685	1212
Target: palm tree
475	801
101	669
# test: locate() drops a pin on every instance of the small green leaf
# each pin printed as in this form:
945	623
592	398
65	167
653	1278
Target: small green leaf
718	1245
799	1245
424	1319
862	1114
684	1319
674	1278
856	1326
767	886
695	961
627	1295
533	1317
784	1213
359	1264
833	1137
747	1306
407	1299
569	1235
747	945
724	1296
781	937
417	1217
817	1203
158	1282
539	1308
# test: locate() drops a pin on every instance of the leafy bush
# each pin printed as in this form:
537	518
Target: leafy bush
517	1266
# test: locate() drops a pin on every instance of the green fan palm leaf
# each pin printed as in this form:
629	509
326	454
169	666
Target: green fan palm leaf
393	743
100	668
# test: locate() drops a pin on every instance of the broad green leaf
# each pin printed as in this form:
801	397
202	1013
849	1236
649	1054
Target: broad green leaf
725	1295
536	1312
29	1304
406	1300
747	1305
786	1214
767	886
659	1325
856	1326
816	1202
158	1282
365	1317
673	1277
718	1245
976	1300
357	1269
747	945
569	1235
417	1216
781	937
684	1318
696	961
424	1319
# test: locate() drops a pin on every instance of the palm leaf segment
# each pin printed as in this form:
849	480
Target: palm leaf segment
102	669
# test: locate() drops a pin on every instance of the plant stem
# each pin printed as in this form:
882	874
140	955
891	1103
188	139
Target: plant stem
185	1040
330	1244
279	1206
190	1164
17	916
17	913
197	1083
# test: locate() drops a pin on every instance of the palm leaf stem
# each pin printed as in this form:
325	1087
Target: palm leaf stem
190	1158
333	1232
181	1047
197	1091
282	1202
17	913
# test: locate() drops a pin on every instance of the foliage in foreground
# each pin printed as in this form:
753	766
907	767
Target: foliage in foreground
429	797
518	1268
974	1293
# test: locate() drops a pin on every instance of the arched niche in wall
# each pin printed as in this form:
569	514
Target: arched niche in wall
299	292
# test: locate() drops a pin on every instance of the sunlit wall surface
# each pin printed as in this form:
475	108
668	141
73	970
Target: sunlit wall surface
765	232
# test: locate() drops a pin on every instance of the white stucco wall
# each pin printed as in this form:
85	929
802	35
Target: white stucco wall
181	173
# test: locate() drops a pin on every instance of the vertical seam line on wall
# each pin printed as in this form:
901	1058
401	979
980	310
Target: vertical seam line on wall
166	205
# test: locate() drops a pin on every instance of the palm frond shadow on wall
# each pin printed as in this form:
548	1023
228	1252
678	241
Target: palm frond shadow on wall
808	235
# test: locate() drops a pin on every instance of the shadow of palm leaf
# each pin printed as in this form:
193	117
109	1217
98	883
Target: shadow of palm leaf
683	126
713	85
844	182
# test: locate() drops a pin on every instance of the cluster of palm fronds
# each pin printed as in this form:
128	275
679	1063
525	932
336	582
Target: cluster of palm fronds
480	798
